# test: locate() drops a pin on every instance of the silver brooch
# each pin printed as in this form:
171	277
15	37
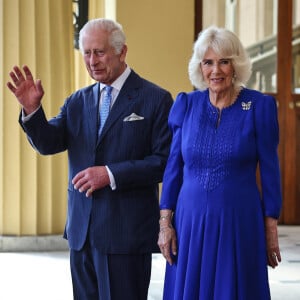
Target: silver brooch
246	105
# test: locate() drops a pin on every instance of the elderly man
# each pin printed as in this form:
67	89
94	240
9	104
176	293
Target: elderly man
117	138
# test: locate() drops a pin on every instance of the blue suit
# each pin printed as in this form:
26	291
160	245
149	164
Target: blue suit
123	221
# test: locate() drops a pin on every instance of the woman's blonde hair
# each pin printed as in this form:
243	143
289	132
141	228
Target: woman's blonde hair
225	44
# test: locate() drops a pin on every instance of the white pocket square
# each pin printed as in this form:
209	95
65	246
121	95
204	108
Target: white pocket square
133	117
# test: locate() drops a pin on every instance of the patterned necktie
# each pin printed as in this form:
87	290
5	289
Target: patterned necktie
105	107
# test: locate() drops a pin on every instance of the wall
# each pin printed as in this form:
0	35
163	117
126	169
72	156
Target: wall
33	188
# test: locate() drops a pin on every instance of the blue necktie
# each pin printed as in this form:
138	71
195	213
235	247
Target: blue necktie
105	107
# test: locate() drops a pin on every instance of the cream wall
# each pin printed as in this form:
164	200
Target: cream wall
33	188
160	39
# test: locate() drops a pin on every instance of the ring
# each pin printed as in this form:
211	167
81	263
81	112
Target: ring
90	190
274	255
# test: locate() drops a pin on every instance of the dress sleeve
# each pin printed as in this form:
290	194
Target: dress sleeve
267	133
173	175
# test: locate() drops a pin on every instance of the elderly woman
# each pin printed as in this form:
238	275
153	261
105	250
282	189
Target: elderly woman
218	229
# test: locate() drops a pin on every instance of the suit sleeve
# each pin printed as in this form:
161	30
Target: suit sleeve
173	176
46	137
267	136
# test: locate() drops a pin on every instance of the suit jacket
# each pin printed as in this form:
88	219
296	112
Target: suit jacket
124	220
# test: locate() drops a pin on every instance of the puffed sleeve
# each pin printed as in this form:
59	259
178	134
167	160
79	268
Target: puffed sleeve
172	179
267	136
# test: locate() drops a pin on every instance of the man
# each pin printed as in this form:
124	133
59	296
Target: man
112	222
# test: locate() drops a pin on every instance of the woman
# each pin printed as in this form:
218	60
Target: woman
218	230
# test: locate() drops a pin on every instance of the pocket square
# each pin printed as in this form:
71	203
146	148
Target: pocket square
133	117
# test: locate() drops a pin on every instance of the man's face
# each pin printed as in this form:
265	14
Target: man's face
101	61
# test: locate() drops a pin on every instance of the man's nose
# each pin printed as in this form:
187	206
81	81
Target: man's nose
93	59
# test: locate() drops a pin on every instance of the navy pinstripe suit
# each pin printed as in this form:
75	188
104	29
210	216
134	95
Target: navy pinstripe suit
123	221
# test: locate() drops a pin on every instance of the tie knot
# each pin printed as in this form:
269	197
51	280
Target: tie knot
108	89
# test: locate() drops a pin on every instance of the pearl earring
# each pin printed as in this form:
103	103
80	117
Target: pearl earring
233	78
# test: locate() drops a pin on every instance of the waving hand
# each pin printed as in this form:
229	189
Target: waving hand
28	92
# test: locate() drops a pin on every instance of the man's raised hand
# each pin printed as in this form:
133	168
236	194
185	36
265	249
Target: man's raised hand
28	92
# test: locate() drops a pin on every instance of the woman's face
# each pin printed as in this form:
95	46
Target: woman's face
217	72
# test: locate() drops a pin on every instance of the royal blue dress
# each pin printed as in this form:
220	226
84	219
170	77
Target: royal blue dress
210	184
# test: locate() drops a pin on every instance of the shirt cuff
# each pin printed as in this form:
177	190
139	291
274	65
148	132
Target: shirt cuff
26	118
111	178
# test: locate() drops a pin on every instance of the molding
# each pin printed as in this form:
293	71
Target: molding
33	243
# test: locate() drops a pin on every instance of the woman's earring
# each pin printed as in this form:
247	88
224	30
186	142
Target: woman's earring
233	78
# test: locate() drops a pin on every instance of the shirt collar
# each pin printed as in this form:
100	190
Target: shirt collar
119	82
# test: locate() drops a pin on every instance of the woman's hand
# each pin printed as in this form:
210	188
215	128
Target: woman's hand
167	240
273	252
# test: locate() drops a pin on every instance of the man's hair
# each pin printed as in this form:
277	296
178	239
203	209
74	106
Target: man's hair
117	37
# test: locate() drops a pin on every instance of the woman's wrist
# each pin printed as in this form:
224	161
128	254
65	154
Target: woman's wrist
165	217
165	220
270	222
165	227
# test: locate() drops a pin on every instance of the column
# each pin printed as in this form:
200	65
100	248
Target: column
33	188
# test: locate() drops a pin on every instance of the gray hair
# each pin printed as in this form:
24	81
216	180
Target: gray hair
117	36
225	44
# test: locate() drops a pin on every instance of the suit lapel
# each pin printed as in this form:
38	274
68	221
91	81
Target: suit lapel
92	116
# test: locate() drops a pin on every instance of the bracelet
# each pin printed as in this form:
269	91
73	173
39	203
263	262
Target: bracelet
165	217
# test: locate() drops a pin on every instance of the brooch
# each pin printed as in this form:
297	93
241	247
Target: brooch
246	105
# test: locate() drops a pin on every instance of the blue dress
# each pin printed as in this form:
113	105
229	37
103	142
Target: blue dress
210	184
